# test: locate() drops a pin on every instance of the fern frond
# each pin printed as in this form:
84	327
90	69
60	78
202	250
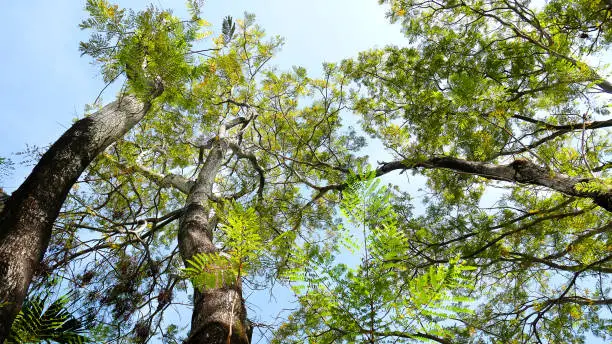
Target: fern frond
41	322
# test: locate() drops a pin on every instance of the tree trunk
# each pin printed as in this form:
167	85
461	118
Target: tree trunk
219	314
28	215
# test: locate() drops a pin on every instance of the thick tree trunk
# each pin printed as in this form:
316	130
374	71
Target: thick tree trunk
28	215
219	314
216	312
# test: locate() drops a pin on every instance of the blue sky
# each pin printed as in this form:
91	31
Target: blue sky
45	83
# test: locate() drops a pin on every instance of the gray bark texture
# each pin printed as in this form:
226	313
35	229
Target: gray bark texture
219	314
518	171
28	215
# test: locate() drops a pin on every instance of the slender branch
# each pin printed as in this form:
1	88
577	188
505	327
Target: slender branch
560	130
158	223
174	180
253	159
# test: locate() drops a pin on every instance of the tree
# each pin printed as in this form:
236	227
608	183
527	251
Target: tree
28	214
503	91
221	141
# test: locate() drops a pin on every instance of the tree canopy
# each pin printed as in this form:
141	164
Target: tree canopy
238	178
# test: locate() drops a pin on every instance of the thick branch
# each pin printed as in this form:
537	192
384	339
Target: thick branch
567	127
519	171
605	86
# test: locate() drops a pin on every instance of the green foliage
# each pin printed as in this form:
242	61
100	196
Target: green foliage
211	270
43	321
242	246
228	29
595	186
240	234
151	46
382	299
364	197
460	89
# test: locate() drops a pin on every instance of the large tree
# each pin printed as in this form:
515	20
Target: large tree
503	106
167	194
149	48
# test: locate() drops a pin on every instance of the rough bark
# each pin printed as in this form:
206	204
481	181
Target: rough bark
3	198
28	215
519	171
219	314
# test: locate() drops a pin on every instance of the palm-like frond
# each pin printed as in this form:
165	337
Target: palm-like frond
228	28
37	322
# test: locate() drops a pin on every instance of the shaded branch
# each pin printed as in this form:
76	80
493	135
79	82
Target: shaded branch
401	334
253	159
560	130
573	268
174	180
519	171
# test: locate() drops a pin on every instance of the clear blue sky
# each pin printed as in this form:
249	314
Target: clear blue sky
45	83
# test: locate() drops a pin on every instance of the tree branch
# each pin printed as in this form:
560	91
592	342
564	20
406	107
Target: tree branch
519	171
174	180
253	159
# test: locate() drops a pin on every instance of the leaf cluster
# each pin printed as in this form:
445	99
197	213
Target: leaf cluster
41	320
380	300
